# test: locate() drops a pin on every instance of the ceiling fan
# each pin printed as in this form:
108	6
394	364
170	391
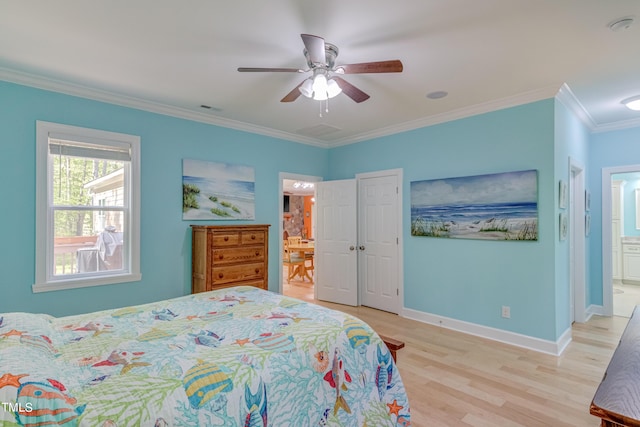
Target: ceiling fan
325	81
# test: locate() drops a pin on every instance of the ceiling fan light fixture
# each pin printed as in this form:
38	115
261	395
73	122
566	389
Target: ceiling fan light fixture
307	88
323	85
632	103
320	87
303	185
320	96
333	88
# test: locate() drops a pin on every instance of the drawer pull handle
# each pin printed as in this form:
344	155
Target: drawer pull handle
257	253
226	238
220	256
220	275
253	237
257	270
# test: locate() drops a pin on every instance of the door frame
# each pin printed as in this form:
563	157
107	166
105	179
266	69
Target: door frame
281	177
577	244
607	238
377	174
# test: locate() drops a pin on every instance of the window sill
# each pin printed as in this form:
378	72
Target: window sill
84	282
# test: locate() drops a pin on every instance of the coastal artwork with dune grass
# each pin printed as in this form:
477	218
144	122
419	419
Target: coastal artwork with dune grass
213	191
501	206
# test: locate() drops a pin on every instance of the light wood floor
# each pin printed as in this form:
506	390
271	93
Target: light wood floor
625	299
454	379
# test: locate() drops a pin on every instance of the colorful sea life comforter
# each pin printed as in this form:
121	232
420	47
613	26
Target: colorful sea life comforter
235	357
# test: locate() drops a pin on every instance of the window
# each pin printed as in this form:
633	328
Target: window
87	207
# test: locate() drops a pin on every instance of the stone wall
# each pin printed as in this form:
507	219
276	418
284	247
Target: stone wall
294	220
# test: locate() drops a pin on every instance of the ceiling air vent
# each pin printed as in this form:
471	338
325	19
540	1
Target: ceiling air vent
318	131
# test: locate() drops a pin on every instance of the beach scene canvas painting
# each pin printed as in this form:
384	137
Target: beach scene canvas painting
501	206
218	191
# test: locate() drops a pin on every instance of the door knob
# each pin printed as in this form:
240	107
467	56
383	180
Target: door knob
351	248
361	247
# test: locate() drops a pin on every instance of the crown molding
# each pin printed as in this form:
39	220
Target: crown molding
623	124
74	89
461	113
563	94
568	99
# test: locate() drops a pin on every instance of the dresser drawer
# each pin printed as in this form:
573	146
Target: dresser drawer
252	237
225	239
234	273
239	254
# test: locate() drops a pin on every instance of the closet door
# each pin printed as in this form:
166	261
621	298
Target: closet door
336	240
378	242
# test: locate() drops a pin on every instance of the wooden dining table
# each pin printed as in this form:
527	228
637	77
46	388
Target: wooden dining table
303	249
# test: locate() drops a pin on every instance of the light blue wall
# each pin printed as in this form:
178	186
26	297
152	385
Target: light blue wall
571	141
467	280
606	150
470	280
632	181
165	238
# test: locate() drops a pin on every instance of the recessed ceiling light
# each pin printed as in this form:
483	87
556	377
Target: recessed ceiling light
437	94
621	24
632	103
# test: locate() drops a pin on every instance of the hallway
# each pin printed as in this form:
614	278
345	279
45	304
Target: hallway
625	298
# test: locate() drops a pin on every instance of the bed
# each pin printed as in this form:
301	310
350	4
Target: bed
233	357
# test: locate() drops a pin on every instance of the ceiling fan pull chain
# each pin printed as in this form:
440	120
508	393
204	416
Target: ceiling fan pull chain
320	109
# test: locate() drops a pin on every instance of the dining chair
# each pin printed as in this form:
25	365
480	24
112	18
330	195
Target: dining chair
308	256
294	240
291	260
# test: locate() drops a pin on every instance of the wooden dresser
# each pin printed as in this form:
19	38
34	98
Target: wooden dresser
229	255
617	400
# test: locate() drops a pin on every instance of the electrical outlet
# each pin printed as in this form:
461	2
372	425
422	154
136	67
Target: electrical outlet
506	312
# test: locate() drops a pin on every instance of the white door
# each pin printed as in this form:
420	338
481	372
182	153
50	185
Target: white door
335	247
378	243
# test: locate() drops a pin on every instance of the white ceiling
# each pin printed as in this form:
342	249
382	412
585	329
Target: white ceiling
171	57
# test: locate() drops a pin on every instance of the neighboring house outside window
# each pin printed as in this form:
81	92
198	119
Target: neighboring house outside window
87	207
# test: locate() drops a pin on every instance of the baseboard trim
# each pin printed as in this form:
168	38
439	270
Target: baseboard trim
554	348
594	310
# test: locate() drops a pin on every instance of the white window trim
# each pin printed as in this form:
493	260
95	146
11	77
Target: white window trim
42	284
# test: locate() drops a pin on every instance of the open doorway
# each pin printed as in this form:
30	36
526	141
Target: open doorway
297	232
626	242
337	249
620	240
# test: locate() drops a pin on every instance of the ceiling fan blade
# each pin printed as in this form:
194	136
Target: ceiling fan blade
315	48
275	70
392	66
294	94
350	90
